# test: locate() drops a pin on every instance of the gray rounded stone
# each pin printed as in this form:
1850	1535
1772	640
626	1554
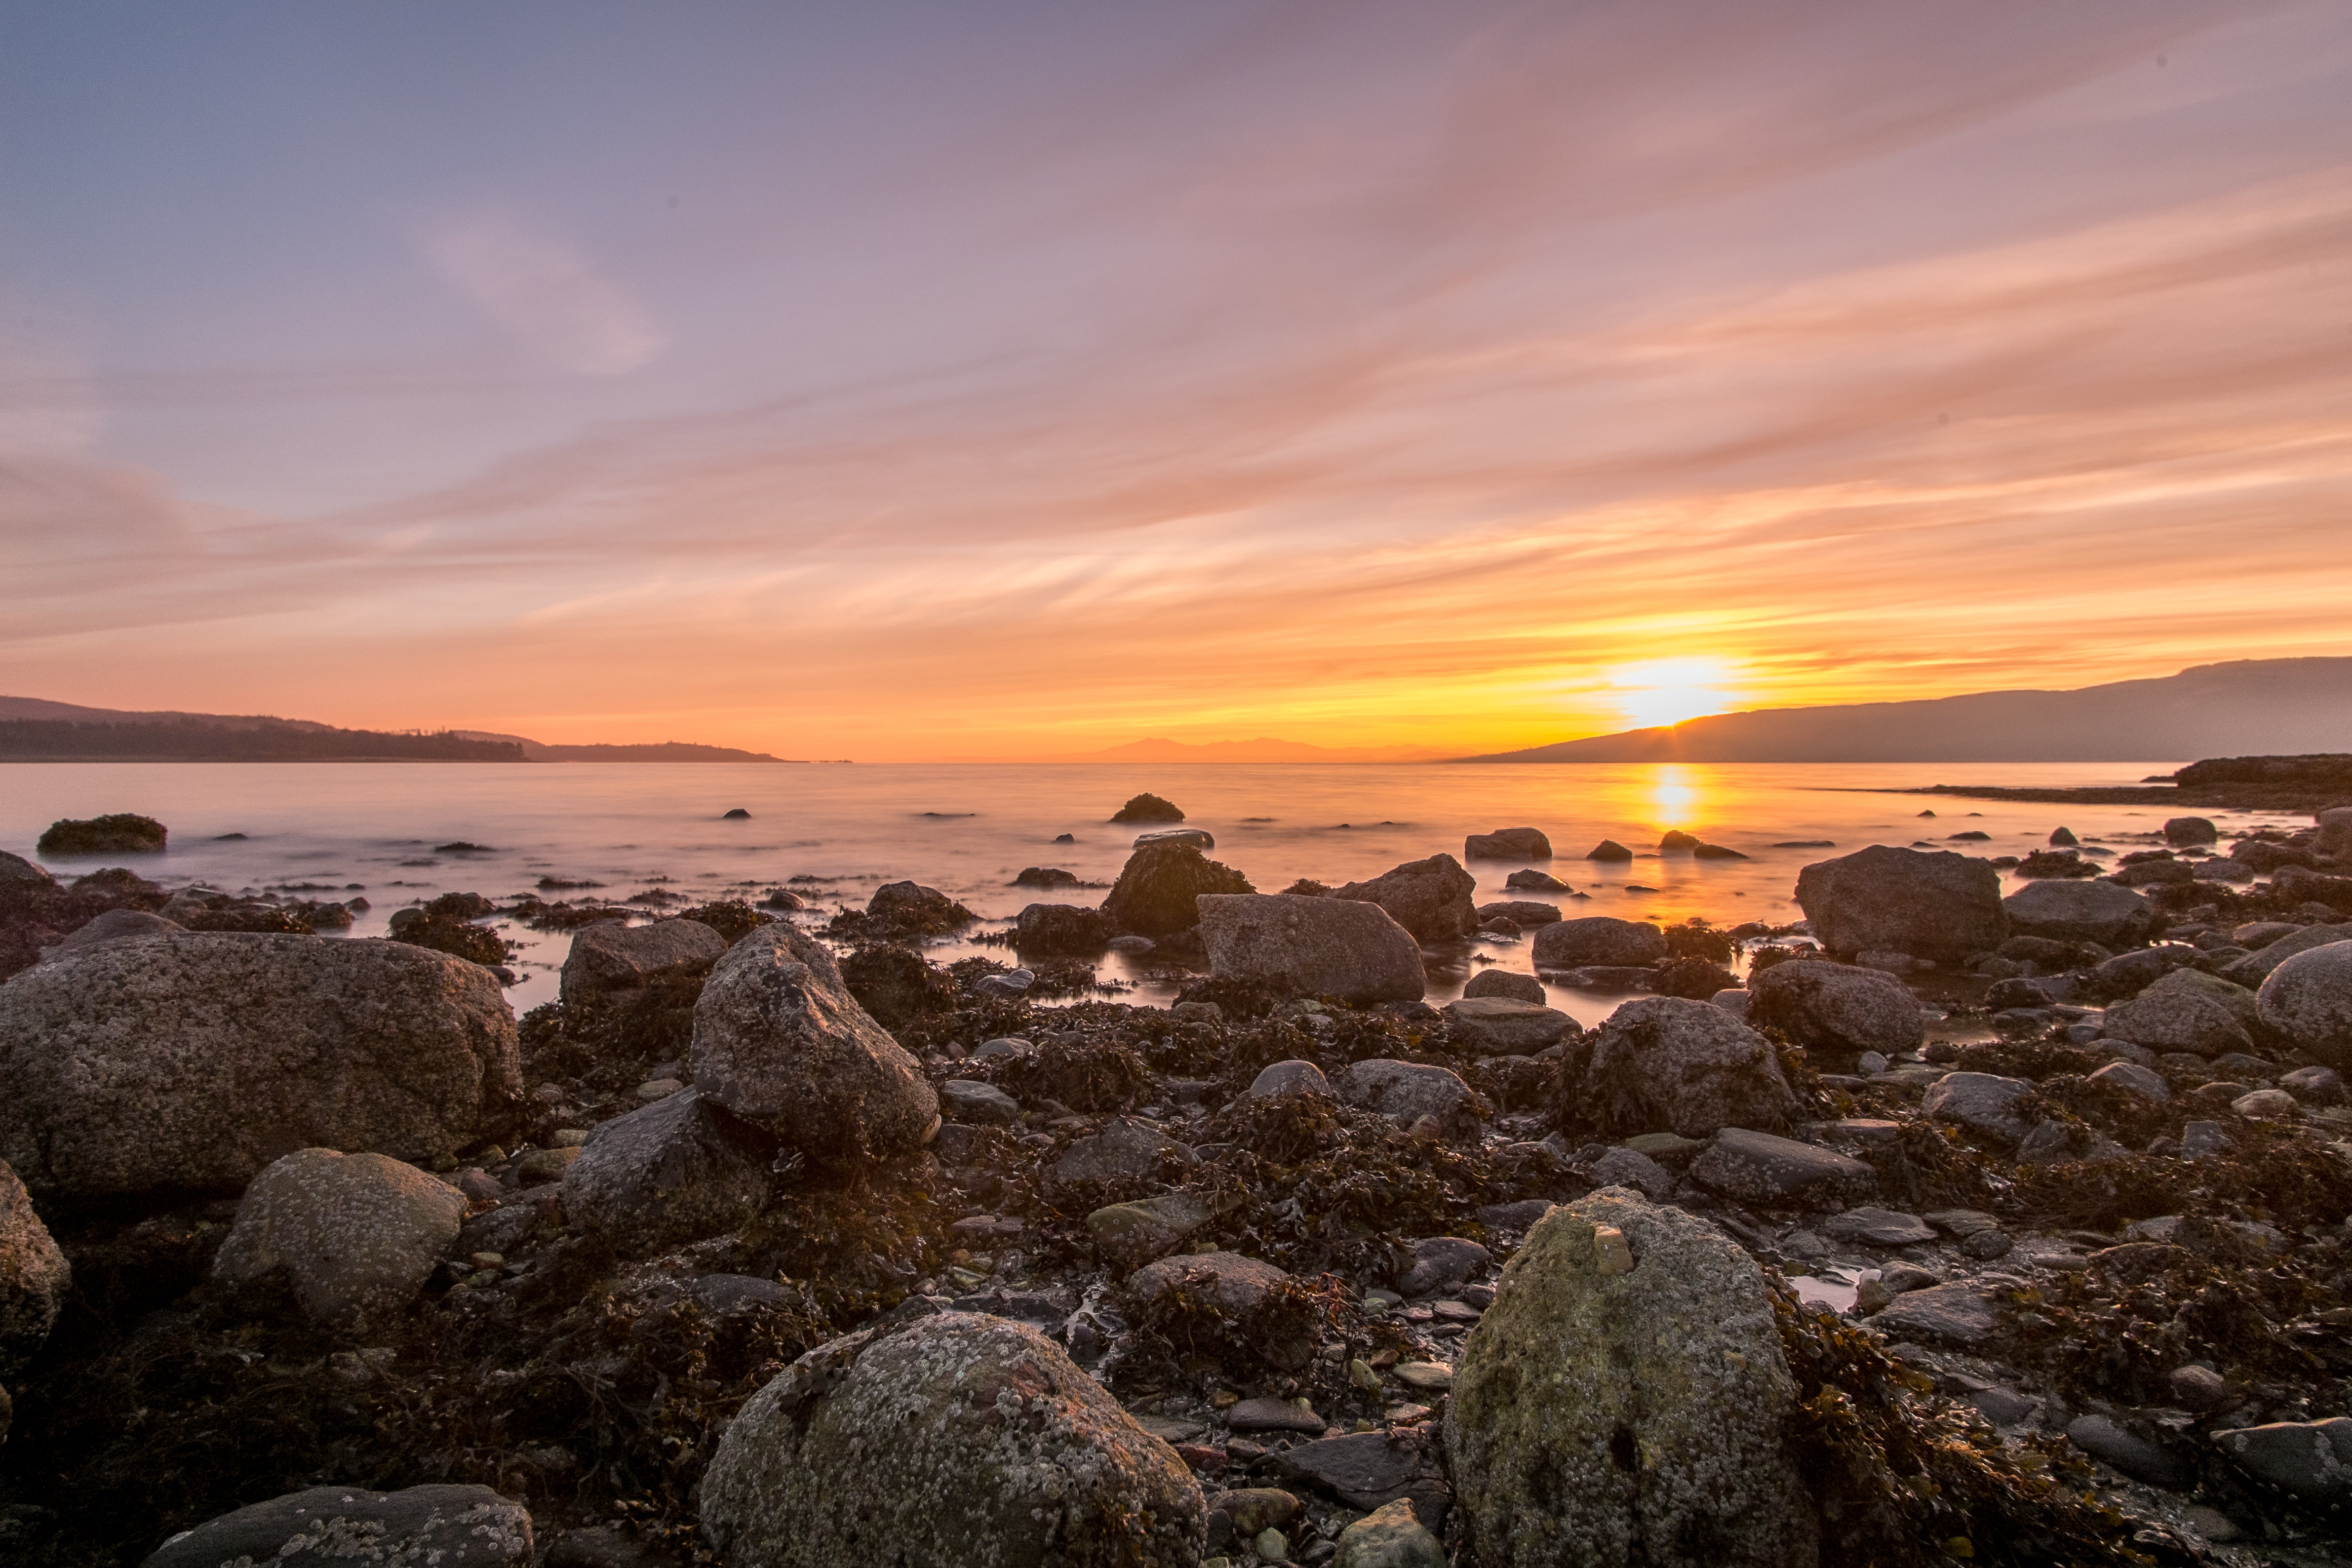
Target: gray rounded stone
1601	940
1498	1025
1288	1078
673	1171
1836	1007
2187	1011
956	1439
423	1527
1983	1100
1669	1064
2092	911
1602	1415
193	1061
615	957
2308	998
1408	1091
359	1234
1430	898
1507	983
2312	1459
1940	905
1310	946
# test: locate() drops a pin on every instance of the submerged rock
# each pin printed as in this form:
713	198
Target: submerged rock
192	1061
1430	898
1940	905
956	1439
779	1040
1158	891
444	1526
612	957
357	1234
1311	947
1626	1399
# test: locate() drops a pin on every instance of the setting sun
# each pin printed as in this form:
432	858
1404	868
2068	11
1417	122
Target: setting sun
1669	690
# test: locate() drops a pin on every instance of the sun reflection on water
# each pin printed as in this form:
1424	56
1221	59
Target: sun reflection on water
1673	794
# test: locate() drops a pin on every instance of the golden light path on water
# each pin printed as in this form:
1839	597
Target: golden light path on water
346	830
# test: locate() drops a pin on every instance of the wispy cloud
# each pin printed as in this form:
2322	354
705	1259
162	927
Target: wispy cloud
552	299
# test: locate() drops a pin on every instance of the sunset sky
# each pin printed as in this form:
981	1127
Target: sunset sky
942	380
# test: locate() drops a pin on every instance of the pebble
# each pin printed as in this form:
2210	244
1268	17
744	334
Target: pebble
658	1089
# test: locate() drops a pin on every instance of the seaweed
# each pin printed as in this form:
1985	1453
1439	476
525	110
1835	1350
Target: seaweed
1084	1074
733	920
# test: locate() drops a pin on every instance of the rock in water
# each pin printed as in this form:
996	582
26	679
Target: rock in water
194	1060
1507	844
447	1527
358	1234
1833	1008
1939	905
1148	807
34	1275
121	832
672	1172
946	1442
1311	947
1602	1416
1598	940
1508	984
1609	849
1430	898
1156	891
2080	912
610	957
779	1040
1667	1064
2309	999
1060	931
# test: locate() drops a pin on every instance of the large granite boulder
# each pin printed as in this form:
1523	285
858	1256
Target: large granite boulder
1430	898
1598	940
1665	1063
2187	1010
615	957
1158	891
357	1234
34	1277
2097	911
1507	844
780	1041
1938	905
442	1526
2258	966
1626	1400
673	1171
944	1442
2309	999
1311	947
1836	1008
107	929
194	1060
1409	1092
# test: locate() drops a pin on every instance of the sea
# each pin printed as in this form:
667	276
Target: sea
353	830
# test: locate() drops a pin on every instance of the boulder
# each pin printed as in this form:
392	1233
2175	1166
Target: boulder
1609	849
1835	1008
34	1277
1763	1167
119	833
1986	1101
977	1104
1940	905
1519	912
1311	947
357	1234
444	1526
1598	940
107	929
1133	1234
1233	1289
1148	807
912	907
194	1060
2335	836
2312	1459
610	956
1669	1064
1126	1151
942	1442
2258	966
2130	1078
1060	931
1508	984
1407	1092
779	1040
1498	1025
2187	1011
673	1171
1393	1469
1430	898
1156	891
2097	911
1957	1316
1441	1264
2179	831
1292	1076
1534	881
1507	844
1626	1400
2308	999
16	868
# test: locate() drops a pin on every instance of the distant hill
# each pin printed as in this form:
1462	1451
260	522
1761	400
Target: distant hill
33	729
1263	750
2243	707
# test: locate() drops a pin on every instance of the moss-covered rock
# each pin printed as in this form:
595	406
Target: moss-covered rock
117	833
1626	1399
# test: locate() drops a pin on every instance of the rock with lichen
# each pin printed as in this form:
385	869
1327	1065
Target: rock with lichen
357	1236
423	1527
1626	1399
1666	1063
956	1439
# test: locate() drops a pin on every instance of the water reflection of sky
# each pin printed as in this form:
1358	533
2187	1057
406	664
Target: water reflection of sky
319	828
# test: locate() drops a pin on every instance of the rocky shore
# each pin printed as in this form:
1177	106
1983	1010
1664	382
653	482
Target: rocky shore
1944	1225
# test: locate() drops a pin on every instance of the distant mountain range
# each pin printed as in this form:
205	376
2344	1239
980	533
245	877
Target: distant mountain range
2241	707
1262	750
33	729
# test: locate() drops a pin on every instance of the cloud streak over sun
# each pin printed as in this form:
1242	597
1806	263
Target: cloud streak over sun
1358	376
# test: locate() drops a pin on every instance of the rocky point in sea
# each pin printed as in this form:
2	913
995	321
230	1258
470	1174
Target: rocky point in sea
1937	1226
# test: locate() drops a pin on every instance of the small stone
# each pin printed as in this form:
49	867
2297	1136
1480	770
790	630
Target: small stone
1271	1546
2197	1388
1955	1315
2111	1443
2267	1105
1611	1252
1878	1228
1361	1374
658	1089
1430	1376
1275	1415
2312	1459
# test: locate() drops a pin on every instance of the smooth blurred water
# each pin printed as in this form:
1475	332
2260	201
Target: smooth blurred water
968	829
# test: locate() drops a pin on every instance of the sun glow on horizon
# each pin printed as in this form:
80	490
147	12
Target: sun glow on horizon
1669	690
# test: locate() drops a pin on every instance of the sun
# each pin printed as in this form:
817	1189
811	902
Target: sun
1668	690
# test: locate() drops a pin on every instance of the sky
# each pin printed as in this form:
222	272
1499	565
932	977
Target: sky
918	381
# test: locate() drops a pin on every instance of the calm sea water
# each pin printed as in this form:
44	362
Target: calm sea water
359	829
